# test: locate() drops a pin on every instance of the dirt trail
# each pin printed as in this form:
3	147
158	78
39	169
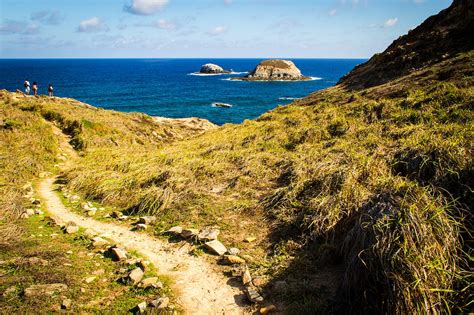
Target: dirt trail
200	289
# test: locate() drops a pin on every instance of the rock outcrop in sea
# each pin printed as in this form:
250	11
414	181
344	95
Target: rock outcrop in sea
210	68
275	70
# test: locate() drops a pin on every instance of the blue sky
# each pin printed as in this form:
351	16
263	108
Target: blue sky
206	28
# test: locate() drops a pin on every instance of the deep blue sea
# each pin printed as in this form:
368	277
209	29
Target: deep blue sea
166	87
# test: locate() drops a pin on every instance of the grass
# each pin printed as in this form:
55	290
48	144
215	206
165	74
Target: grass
30	149
381	176
370	189
65	259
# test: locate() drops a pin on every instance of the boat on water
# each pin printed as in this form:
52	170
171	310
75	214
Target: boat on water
224	105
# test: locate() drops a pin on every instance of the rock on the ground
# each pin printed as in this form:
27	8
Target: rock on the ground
211	68
30	212
45	289
141	307
118	254
252	294
208	234
116	214
143	264
275	70
141	227
189	233
268	309
135	276
71	229
66	304
246	277
249	239
259	282
36	261
232	260
151	282
160	303
175	230
39	212
99	241
216	247
148	220
90	279
233	251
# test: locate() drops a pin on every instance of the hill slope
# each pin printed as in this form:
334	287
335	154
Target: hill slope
438	38
359	195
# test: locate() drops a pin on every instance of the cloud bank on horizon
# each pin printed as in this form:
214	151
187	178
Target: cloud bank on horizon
206	28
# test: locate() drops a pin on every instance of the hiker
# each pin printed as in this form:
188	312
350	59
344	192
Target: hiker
35	89
50	90
27	87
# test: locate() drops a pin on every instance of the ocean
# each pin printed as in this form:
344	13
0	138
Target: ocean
168	87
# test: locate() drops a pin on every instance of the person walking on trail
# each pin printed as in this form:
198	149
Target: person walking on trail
35	88
50	90
27	87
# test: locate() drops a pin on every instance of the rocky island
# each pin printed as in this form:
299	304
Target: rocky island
275	70
210	68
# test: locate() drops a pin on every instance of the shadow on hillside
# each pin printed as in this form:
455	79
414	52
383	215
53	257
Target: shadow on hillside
310	284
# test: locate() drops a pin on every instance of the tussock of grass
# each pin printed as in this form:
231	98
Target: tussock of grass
28	148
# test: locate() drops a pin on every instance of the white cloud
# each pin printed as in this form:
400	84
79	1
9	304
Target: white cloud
218	30
165	24
228	2
18	27
47	17
145	7
333	12
391	22
92	25
162	24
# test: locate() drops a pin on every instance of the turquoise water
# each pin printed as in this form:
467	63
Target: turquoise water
166	87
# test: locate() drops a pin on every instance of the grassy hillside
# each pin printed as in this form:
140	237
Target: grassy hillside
359	196
31	251
371	187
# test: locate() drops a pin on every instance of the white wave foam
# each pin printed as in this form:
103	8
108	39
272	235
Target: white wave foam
230	79
289	98
199	74
243	72
205	74
265	81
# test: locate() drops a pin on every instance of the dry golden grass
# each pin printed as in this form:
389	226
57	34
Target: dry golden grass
381	177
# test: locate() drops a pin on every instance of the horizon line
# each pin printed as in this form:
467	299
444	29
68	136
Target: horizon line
56	58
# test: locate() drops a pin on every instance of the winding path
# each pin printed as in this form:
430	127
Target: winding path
199	288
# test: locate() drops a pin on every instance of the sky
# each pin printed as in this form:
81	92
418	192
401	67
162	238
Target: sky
206	28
